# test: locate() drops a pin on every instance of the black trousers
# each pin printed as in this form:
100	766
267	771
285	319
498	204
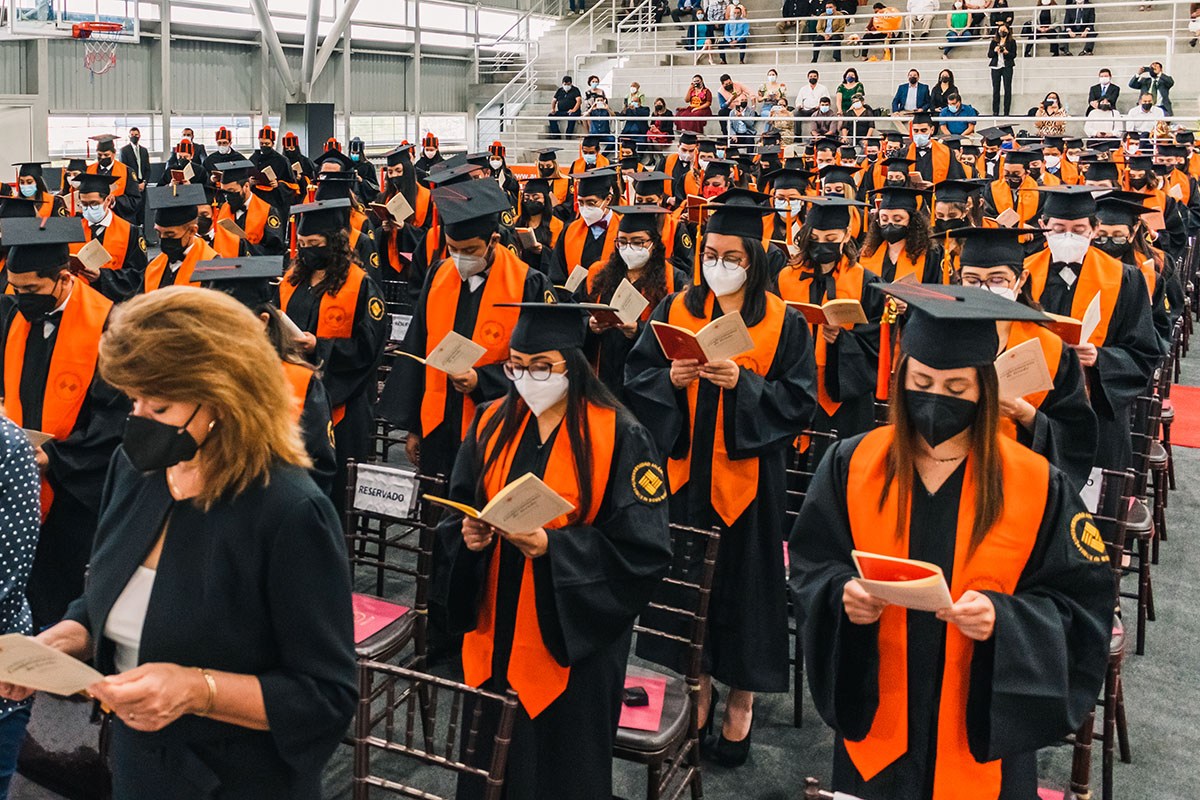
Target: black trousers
1004	74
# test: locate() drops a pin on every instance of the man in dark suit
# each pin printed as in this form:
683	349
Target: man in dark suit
1079	22
201	153
1104	90
137	158
911	97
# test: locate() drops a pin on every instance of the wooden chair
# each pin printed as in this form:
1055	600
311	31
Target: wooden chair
1168	408
1140	530
398	304
810	449
672	753
1111	519
473	738
1160	457
813	790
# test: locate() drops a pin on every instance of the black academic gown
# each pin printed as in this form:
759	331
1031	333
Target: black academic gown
411	240
1031	683
76	474
593	250
124	281
348	368
213	159
746	646
424	165
257	585
589	587
315	424
400	401
282	197
1124	362
931	272
199	173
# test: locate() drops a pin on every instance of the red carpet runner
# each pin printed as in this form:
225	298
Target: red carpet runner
1186	429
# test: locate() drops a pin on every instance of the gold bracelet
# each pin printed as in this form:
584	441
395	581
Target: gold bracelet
212	692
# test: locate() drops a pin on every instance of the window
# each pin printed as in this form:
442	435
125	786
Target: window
68	134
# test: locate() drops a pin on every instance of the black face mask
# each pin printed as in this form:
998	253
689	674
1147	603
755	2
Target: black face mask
1147	106
104	161
134	139
893	233
1139	183
824	252
940	225
396	184
314	256
204	225
546	172
1163	169
939	417
1013	182
900	182
34	307
812	81
172	247
1112	248
153	445
912	81
235	200
534	207
1035	172
266	148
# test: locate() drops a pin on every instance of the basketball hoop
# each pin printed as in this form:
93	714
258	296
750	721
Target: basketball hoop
100	40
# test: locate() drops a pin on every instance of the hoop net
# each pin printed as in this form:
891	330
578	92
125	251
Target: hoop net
100	40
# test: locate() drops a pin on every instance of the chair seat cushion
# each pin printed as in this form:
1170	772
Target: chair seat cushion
380	627
1140	519
675	716
1116	645
1158	455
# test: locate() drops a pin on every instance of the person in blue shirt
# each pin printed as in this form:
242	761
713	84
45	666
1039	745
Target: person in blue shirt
737	31
600	123
912	96
955	107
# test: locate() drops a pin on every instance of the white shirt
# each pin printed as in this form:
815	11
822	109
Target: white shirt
922	6
809	96
127	616
910	99
1103	122
1138	120
49	325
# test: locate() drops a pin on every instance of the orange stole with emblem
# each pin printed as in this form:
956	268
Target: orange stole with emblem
200	251
1100	273
116	241
257	213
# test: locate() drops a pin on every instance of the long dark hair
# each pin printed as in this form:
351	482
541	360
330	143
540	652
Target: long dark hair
754	298
287	347
542	231
336	268
583	387
849	247
984	454
652	283
915	244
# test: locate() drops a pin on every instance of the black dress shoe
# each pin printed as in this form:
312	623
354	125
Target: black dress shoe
731	754
706	728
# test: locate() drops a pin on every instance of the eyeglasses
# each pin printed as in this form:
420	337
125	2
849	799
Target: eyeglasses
538	370
729	260
633	242
993	282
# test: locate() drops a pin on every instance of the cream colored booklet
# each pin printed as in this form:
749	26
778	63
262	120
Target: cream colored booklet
576	279
724	338
1023	371
93	256
24	661
522	506
37	438
918	585
453	355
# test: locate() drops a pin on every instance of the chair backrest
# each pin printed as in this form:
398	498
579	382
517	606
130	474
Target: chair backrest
464	731
805	457
389	527
1145	417
1112	516
681	601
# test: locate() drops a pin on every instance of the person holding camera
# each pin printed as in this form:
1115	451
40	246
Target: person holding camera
1153	81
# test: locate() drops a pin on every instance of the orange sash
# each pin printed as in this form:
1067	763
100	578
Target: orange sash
157	268
577	233
533	672
996	565
1027	198
940	155
116	241
421	216
904	265
118	171
46	209
299	378
1020	333
225	243
734	482
493	326
1100	273
257	212
72	366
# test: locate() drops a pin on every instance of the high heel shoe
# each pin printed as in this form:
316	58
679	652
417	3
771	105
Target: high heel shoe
707	727
732	754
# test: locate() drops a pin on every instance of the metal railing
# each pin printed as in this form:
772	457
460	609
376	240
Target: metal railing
498	116
507	54
603	16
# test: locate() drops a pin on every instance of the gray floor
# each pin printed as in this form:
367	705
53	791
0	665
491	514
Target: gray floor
1162	694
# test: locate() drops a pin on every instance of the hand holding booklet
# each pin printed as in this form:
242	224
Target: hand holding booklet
522	506
24	661
1023	371
918	585
623	308
720	340
453	355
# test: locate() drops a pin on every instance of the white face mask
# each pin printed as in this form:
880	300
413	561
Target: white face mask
74	183
1069	248
541	395
224	149
589	159
591	214
1052	162
702	164
1006	293
633	256
634	90
771	79
430	153
1104	81
794	206
94	214
857	104
496	163
28	189
721	279
685	156
468	265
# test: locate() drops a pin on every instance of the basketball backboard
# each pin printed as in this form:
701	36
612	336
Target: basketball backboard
37	19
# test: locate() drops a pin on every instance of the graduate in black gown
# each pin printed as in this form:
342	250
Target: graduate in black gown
589	573
726	430
1058	423
639	258
1123	350
927	704
50	335
431	155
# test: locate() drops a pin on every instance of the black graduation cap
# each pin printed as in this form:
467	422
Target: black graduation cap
952	327
787	178
894	136
334	186
1021	157
335	156
76	165
899	198
100	184
246	279
993	247
829	213
322	217
1104	144
898	163
826	143
706	146
399	155
639	218
955	191
1140	163
451	175
547	326
548	154
953	141
1073	143
30	169
17	207
588	141
235	170
738	212
994	135
37	242
536	185
1112	210
1053	141
1102	171
594	182
969	149
1068	202
1173	150
687	137
174	204
655	183
357	146
770	150
104	142
836	173
471	210
1185	137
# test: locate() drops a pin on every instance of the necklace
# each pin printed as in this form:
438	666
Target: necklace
948	460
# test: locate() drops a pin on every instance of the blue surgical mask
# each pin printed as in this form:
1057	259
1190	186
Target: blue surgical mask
1006	145
94	214
354	156
589	158
28	189
921	139
824	107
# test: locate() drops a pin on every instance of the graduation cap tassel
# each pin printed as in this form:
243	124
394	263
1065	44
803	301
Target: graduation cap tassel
292	245
788	220
699	248
884	378
946	264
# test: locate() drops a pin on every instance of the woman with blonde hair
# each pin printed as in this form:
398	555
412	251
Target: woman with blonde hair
213	601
